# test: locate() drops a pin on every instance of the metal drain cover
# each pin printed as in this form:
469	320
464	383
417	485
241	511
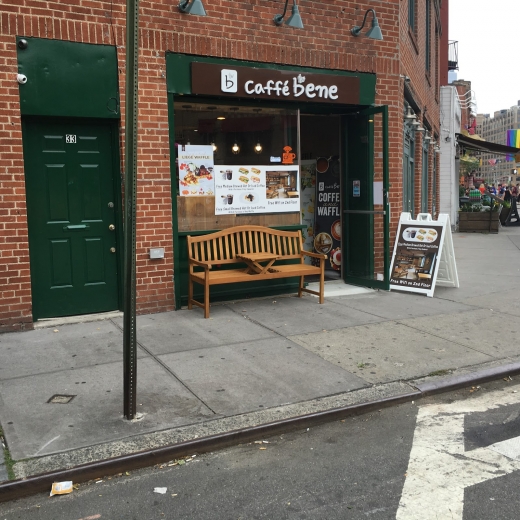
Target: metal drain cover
61	399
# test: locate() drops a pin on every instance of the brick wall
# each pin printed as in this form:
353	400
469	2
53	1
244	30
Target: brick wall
233	29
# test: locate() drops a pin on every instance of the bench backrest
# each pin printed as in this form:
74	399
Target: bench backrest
223	246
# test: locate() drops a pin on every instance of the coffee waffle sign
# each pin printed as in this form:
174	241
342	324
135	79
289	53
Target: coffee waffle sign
249	82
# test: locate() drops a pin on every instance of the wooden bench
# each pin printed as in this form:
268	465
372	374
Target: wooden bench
260	248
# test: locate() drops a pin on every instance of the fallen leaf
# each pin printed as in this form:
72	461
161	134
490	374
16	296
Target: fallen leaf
55	330
263	448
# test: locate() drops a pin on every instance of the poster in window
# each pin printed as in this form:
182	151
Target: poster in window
327	222
196	168
256	189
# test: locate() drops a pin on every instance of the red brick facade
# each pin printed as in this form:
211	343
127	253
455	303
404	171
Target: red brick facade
238	29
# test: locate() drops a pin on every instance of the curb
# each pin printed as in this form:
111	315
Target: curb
15	489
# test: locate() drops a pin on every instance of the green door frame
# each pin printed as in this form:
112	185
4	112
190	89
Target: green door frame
368	161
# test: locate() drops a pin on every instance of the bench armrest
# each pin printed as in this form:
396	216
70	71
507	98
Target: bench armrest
205	265
314	255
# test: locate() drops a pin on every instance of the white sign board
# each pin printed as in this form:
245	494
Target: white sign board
423	255
257	189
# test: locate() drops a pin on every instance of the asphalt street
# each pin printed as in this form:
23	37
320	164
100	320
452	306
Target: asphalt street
459	450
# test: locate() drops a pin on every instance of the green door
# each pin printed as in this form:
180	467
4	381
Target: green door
365	225
71	211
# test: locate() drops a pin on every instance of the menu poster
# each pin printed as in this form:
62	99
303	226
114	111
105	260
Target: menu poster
308	198
416	255
256	189
327	223
195	170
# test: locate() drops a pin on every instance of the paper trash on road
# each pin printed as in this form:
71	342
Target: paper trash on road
160	490
61	488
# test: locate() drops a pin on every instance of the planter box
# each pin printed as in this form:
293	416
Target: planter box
479	222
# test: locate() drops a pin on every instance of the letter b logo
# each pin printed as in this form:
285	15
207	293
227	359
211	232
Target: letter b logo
229	81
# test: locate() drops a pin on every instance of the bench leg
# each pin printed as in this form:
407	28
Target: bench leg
322	281
190	293
206	297
302	278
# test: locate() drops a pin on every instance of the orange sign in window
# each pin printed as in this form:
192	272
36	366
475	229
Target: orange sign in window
288	156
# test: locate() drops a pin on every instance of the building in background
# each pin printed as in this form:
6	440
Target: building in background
62	121
496	168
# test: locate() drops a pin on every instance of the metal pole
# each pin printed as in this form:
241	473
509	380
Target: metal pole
129	325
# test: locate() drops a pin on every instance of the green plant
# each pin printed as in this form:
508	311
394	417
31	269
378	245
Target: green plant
471	208
9	462
462	191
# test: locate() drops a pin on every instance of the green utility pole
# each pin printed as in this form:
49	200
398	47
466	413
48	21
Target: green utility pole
129	325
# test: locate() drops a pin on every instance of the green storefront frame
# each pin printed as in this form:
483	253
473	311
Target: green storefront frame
178	78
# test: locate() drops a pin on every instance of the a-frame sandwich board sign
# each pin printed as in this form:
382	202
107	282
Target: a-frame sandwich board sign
423	255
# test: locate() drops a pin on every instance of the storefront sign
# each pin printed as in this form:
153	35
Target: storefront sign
195	163
256	189
248	82
421	247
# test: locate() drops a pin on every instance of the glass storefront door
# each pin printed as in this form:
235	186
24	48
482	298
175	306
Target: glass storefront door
365	213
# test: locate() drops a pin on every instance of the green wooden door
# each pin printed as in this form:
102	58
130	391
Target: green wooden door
365	226
71	211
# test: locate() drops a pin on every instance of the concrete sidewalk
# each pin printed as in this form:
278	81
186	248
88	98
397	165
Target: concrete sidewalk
252	362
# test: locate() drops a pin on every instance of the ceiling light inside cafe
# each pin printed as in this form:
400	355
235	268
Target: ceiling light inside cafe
258	148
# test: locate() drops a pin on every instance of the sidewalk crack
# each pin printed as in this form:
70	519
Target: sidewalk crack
171	372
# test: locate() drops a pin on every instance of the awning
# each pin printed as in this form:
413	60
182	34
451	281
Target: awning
472	143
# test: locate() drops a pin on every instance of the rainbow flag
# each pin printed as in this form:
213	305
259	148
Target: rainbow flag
513	139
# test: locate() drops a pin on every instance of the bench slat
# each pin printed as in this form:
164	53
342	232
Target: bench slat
220	248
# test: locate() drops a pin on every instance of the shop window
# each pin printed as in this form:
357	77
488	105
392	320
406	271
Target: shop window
434	186
247	171
408	168
411	14
427	47
424	179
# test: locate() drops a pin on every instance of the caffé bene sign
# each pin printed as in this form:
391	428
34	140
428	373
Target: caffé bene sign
245	82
